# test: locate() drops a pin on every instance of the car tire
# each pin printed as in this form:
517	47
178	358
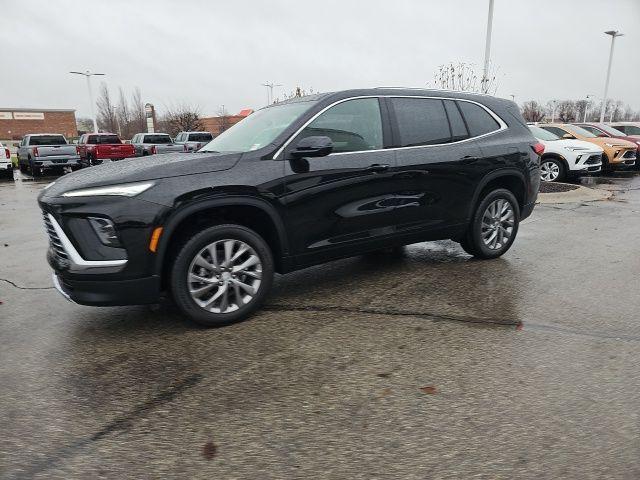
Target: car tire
552	170
233	303
606	166
487	221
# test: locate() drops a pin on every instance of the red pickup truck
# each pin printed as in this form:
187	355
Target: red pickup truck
94	148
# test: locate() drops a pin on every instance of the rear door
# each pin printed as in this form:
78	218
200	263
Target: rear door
345	199
436	161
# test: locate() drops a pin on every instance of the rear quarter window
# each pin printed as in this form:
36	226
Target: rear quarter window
479	121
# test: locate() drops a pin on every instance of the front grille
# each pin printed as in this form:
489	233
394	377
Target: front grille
593	159
54	240
629	154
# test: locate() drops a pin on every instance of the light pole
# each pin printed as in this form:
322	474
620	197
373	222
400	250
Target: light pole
88	75
487	50
614	34
586	108
270	91
553	110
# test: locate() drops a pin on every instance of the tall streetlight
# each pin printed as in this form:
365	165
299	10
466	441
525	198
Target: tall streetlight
270	87
614	34
487	50
88	75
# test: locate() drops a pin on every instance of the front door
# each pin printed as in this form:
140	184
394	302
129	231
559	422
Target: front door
339	202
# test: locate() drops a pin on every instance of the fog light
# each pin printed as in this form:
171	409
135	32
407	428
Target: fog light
105	230
578	158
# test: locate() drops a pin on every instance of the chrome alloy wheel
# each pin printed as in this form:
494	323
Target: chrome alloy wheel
224	276
497	224
549	171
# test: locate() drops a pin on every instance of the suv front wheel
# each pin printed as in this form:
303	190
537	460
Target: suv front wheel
494	225
222	275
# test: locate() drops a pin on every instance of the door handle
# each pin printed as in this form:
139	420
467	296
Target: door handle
378	167
469	159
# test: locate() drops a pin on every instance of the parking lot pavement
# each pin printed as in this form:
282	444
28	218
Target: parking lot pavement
414	364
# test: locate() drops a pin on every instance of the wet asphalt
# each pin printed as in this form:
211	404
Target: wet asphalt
414	364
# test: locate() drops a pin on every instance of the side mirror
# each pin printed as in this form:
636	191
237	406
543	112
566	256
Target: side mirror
313	147
568	136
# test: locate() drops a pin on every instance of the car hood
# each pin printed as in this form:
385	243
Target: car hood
616	142
557	144
142	169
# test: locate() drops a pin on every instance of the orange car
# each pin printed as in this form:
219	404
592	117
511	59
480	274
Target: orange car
618	154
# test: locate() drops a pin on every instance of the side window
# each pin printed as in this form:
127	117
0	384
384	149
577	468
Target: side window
421	121
593	130
353	126
555	130
458	128
478	119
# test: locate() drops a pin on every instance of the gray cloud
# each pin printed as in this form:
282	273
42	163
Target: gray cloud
209	53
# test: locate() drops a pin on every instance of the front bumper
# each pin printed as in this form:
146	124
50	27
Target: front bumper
109	293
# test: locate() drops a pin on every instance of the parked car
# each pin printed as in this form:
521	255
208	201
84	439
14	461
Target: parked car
5	160
94	148
606	131
618	154
152	143
566	158
295	184
43	151
193	141
629	128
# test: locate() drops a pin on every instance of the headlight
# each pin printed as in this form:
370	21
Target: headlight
124	190
609	144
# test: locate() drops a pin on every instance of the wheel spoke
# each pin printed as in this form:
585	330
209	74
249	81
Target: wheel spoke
243	249
239	300
213	251
252	273
224	304
250	262
215	296
201	290
197	278
202	262
247	288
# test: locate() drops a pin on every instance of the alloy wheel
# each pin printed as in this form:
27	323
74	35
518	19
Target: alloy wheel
549	171
497	224
224	276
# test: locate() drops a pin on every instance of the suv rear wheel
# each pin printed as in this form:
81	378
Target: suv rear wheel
494	225
222	275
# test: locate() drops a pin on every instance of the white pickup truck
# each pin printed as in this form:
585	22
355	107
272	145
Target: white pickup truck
5	160
41	151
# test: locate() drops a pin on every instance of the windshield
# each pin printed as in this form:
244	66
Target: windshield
579	131
157	139
542	134
611	131
258	129
200	137
47	140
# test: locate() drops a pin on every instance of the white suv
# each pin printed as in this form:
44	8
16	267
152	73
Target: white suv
565	158
5	160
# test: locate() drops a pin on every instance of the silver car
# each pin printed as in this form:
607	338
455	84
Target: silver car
194	141
152	143
41	151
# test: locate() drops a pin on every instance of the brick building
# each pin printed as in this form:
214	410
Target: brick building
17	122
217	125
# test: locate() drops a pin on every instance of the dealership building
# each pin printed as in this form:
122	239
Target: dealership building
17	122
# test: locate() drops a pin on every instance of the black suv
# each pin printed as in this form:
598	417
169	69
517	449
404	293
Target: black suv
295	184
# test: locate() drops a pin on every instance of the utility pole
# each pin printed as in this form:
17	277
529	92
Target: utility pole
88	76
487	51
553	110
270	87
586	108
614	34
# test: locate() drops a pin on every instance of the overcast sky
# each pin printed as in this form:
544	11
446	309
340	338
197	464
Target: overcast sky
210	53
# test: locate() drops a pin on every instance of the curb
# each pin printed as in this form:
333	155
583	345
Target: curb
580	194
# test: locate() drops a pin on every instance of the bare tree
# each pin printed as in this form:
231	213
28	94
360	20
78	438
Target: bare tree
464	77
566	111
582	107
295	93
182	118
223	119
532	111
123	115
84	125
138	116
106	110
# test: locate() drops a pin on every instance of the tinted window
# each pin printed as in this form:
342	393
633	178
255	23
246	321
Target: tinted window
353	126
421	121
200	137
458	128
593	130
157	139
103	139
478	119
48	140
